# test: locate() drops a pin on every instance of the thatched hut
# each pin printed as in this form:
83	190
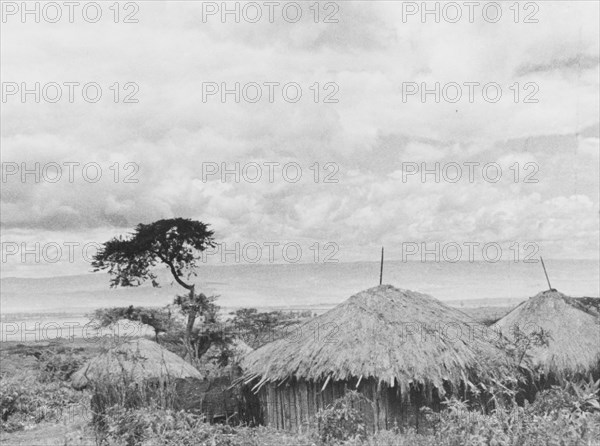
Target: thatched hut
137	360
138	371
132	375
573	344
399	348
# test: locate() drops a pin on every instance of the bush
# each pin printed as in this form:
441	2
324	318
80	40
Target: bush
574	397
556	417
128	394
158	318
561	416
153	426
9	399
25	402
59	364
342	420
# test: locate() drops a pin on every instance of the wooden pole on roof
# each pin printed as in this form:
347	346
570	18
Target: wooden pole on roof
546	273
381	268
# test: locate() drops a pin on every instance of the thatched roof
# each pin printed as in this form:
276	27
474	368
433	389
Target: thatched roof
137	360
240	350
574	332
395	336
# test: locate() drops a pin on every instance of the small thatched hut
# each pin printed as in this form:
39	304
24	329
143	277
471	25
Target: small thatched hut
137	371
401	349
573	333
137	360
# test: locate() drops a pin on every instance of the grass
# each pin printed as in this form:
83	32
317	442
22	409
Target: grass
552	420
38	404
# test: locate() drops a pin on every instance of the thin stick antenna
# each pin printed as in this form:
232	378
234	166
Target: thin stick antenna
381	268
546	273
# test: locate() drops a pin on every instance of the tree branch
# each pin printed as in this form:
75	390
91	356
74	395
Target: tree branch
176	276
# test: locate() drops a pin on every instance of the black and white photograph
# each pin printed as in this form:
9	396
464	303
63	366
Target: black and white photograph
300	223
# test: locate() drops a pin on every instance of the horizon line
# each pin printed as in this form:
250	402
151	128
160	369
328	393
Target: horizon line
377	262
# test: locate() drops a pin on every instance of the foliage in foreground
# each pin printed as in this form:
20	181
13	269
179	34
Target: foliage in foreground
154	427
560	416
39	392
58	364
25	402
342	420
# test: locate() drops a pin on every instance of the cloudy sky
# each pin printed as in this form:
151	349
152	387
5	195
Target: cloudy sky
365	137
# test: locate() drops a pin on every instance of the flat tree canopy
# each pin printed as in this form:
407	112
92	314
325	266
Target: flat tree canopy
176	242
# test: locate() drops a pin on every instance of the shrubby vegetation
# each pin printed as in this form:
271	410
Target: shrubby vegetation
41	393
342	420
156	427
174	328
59	364
215	335
567	415
259	328
160	319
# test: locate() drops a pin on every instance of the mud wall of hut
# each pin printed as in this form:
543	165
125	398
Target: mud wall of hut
293	405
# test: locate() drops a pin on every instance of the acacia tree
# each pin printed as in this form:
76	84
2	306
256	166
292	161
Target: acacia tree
177	243
214	332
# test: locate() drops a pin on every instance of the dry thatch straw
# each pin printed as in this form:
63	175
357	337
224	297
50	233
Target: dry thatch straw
240	350
574	333
137	360
398	337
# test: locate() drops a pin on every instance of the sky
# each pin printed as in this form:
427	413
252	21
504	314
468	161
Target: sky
341	165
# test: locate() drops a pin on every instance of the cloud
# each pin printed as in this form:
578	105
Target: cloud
363	141
578	63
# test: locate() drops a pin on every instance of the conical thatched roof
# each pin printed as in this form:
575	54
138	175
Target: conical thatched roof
137	360
574	333
393	335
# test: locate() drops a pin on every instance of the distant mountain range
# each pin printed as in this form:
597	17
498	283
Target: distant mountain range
311	286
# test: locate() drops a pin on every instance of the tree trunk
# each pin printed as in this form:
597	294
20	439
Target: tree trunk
189	327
